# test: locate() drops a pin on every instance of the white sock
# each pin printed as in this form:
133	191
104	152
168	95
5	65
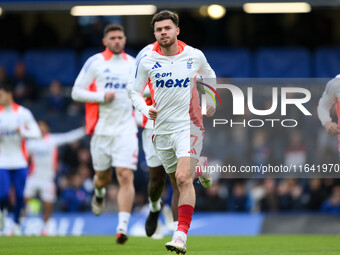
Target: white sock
100	192
123	221
175	225
155	206
181	235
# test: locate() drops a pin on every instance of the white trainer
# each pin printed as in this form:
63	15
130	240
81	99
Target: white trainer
177	244
16	230
203	172
97	208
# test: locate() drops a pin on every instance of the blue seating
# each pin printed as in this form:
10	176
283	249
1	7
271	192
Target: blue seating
327	62
229	63
85	54
48	65
8	59
283	63
267	62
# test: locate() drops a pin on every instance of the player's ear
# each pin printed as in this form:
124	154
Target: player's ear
104	42
177	31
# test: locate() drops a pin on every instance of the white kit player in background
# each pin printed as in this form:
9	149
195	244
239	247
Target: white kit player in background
43	167
178	134
330	96
102	85
16	125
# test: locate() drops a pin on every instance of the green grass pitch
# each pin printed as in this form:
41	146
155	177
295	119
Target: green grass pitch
212	245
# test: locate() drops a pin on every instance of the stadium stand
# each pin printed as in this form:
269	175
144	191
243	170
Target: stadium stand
229	62
327	62
283	63
8	59
62	67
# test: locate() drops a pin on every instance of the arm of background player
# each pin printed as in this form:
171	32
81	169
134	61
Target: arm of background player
326	102
29	127
69	137
136	88
80	90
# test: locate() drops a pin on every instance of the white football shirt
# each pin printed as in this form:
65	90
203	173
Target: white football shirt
106	72
170	79
44	153
13	153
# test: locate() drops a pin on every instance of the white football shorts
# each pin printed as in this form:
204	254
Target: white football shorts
171	147
114	151
45	188
151	157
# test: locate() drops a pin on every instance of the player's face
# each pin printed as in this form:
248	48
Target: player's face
115	41
166	32
4	97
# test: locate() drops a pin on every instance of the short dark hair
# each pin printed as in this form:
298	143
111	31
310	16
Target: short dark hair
113	27
7	87
163	15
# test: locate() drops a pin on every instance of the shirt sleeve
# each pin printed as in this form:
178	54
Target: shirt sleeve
136	88
80	90
69	137
327	100
209	77
29	127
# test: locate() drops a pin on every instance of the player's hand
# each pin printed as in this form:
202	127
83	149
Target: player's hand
109	96
210	111
332	128
153	112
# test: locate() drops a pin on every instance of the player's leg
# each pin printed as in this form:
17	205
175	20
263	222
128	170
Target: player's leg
48	196
100	180
186	203
125	157
100	148
156	184
125	198
18	178
187	154
5	186
174	202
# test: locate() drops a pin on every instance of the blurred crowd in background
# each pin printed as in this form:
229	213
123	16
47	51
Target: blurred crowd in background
308	143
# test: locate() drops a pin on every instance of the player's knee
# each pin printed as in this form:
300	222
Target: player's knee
182	180
125	177
103	178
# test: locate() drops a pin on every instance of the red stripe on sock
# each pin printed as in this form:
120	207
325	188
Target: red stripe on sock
185	213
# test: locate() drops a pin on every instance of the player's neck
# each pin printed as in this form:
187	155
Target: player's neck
171	50
9	103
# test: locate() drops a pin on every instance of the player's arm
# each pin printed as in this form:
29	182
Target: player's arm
325	103
69	137
209	77
29	127
80	90
136	89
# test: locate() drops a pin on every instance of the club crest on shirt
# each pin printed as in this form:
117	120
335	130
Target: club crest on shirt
189	63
